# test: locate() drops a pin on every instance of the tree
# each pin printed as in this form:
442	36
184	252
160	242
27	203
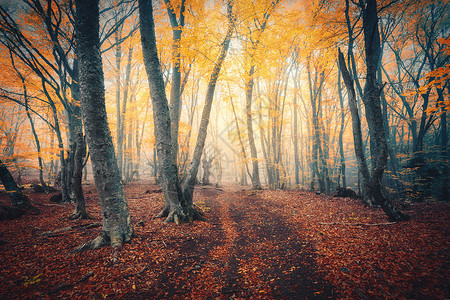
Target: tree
252	46
372	104
189	182
20	202
117	227
176	208
178	205
175	94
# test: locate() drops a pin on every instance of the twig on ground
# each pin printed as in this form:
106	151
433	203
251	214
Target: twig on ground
359	224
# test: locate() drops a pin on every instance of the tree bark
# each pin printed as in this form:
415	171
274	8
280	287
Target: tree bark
295	139
256	182
175	93
176	208
18	199
341	134
117	227
119	128
374	117
77	187
189	182
356	125
79	149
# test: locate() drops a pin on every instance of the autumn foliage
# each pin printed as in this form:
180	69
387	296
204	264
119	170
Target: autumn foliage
253	95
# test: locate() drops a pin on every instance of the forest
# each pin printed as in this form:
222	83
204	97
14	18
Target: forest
224	149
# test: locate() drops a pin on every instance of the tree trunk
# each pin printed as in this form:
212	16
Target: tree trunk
295	139
176	208
80	149
175	93
117	227
256	183
119	135
371	99
341	134
356	125
189	182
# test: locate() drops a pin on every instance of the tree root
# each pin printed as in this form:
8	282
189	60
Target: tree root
101	240
181	214
80	215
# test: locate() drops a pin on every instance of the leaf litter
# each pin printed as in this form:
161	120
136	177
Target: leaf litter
255	244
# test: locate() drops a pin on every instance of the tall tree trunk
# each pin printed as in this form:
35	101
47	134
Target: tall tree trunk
175	93
295	139
356	125
124	120
117	227
189	182
374	117
341	134
241	143
256	183
63	171
80	149
119	135
176	208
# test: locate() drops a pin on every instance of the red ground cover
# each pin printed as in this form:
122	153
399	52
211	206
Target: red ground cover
255	244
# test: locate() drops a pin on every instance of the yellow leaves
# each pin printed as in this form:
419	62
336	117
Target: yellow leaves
32	280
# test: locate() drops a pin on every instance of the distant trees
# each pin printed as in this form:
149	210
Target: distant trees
268	83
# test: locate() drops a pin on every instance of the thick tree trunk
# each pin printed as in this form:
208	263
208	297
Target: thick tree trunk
176	208
80	153
117	227
371	99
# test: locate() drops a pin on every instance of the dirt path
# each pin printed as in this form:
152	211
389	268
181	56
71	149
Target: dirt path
265	255
247	252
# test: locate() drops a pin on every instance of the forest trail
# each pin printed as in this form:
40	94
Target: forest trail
254	245
265	255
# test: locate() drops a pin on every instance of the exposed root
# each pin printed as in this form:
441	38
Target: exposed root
80	215
163	213
101	240
179	215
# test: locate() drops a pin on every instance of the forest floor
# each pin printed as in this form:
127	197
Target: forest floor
254	245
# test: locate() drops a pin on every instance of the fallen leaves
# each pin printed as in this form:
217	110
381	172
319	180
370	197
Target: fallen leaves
255	244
